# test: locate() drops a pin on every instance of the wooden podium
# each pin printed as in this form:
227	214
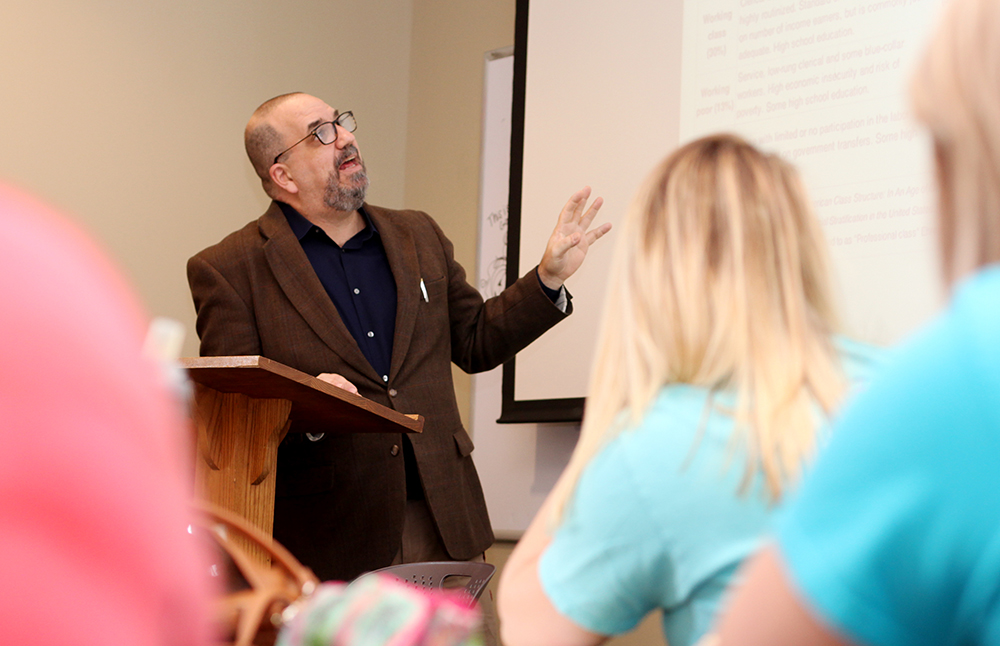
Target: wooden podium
243	408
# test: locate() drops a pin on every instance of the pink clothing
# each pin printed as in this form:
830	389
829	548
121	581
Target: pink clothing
94	482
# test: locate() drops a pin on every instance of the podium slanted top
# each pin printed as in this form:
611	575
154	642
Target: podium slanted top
316	405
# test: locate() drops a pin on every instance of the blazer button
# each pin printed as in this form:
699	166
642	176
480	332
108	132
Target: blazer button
394	451
392	392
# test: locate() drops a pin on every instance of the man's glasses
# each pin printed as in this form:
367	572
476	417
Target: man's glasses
326	132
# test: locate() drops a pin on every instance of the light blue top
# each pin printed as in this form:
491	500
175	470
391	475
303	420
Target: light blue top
895	536
656	520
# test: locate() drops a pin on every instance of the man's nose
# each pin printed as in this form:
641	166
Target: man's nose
344	138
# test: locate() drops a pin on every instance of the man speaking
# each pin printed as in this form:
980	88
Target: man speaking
371	300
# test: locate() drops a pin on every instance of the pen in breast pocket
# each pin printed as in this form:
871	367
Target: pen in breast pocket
423	290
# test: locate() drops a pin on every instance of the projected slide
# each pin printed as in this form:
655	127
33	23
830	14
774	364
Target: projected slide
824	83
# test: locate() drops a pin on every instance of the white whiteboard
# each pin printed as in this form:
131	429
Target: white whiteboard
518	463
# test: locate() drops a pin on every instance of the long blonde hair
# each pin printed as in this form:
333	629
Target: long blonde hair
719	280
956	94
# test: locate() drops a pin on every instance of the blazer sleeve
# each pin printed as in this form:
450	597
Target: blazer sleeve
486	334
225	320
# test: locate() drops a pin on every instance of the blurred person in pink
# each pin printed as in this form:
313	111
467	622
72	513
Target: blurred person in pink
94	491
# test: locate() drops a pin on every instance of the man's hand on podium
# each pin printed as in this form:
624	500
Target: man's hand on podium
338	381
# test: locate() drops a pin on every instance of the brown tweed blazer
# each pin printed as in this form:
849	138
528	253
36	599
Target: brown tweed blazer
340	500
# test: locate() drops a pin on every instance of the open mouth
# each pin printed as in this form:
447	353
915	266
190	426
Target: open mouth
349	162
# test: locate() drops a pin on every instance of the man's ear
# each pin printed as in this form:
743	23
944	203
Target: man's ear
282	178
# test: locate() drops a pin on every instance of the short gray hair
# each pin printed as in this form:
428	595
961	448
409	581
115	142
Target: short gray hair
262	140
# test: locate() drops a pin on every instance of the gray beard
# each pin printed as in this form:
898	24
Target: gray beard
346	198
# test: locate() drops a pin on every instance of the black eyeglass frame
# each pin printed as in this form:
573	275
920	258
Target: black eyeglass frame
339	121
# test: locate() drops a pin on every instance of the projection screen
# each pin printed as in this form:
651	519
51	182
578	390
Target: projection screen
605	90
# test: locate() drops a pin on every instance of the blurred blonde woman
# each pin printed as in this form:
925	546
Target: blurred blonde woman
895	536
716	370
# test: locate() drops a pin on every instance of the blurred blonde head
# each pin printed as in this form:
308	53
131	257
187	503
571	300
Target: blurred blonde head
956	94
719	280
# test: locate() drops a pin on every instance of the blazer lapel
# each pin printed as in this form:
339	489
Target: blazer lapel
401	249
296	277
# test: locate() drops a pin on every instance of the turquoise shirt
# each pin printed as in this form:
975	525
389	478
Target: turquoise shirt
656	520
895	536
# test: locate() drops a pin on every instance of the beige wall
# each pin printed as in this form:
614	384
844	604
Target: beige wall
129	115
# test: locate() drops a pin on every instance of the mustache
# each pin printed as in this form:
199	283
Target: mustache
348	151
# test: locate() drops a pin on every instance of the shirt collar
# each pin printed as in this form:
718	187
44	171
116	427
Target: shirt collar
301	226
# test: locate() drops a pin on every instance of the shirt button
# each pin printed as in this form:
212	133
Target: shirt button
385	378
394	451
357	291
371	334
392	392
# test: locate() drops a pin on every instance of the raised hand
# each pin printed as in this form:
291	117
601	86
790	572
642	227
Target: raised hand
569	242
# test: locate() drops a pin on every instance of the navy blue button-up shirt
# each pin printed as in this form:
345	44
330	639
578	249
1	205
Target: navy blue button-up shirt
359	281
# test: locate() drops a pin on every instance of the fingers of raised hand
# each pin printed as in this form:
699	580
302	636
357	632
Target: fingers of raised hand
560	244
591	213
574	206
596	234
